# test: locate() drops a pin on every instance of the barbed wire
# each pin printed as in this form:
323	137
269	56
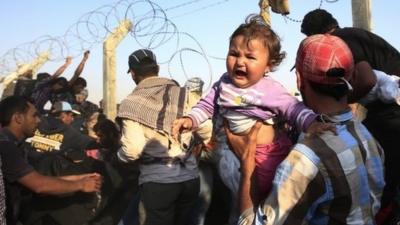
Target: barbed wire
152	29
289	18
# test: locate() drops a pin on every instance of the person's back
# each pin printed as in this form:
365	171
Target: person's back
367	46
347	174
157	146
146	116
53	135
329	178
381	119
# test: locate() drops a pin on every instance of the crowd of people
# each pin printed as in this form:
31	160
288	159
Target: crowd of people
245	152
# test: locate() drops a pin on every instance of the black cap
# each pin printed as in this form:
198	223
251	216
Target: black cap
137	57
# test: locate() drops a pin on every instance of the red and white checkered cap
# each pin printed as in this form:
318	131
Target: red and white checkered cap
319	53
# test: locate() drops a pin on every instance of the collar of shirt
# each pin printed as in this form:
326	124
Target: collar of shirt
339	118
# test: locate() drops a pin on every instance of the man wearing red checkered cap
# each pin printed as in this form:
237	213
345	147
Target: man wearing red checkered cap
370	51
326	178
325	63
320	54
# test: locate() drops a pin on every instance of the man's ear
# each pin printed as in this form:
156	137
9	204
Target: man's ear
298	80
18	118
132	74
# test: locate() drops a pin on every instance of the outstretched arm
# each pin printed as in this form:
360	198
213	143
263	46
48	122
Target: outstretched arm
80	67
53	185
61	70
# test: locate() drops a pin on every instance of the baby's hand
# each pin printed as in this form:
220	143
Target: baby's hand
319	127
181	125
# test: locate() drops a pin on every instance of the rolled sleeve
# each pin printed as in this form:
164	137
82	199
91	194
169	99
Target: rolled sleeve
132	141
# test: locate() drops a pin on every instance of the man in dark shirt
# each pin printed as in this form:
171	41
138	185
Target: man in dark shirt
382	118
55	132
19	120
364	45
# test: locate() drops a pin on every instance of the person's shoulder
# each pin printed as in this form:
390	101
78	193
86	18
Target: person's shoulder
347	32
305	148
49	124
7	146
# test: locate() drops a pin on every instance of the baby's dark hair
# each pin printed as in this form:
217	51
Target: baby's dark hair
255	28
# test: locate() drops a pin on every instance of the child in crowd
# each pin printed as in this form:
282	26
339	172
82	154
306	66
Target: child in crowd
246	94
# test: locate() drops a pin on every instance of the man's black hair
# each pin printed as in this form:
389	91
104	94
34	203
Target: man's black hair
11	105
62	81
110	133
80	81
146	68
42	76
336	91
318	21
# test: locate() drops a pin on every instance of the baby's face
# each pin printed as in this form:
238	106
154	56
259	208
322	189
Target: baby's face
247	61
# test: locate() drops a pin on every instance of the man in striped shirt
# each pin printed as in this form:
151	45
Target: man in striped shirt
327	178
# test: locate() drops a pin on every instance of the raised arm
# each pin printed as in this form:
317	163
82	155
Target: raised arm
80	67
61	70
244	147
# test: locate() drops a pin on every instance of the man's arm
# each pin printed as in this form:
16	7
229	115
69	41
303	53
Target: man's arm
244	147
204	109
54	186
61	70
76	177
363	80
132	141
80	67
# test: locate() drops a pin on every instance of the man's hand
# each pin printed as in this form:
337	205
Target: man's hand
244	146
318	128
86	55
181	125
68	61
90	182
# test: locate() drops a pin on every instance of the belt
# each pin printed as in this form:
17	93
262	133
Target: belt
146	160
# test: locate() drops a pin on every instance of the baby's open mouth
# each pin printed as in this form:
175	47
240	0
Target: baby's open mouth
240	73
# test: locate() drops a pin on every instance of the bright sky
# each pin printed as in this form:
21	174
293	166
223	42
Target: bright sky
204	25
